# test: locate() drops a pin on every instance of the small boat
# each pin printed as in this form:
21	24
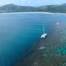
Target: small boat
44	35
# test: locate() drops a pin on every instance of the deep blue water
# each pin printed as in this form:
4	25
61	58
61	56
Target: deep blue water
18	33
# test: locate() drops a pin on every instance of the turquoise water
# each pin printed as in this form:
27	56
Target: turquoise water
18	33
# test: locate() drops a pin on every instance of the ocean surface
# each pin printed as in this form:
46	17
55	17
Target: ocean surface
19	31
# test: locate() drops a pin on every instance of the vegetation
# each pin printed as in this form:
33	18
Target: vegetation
48	8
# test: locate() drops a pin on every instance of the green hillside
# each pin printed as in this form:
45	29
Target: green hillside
48	8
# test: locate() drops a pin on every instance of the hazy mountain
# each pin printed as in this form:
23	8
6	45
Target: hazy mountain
16	8
48	8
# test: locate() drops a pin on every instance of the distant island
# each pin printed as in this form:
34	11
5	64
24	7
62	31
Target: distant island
48	8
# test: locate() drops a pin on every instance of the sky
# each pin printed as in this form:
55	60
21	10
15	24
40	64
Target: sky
32	2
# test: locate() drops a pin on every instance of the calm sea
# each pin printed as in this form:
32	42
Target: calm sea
19	31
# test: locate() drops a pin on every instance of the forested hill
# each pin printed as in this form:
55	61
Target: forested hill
48	8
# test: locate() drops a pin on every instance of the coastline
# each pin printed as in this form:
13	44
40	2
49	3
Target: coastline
51	13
